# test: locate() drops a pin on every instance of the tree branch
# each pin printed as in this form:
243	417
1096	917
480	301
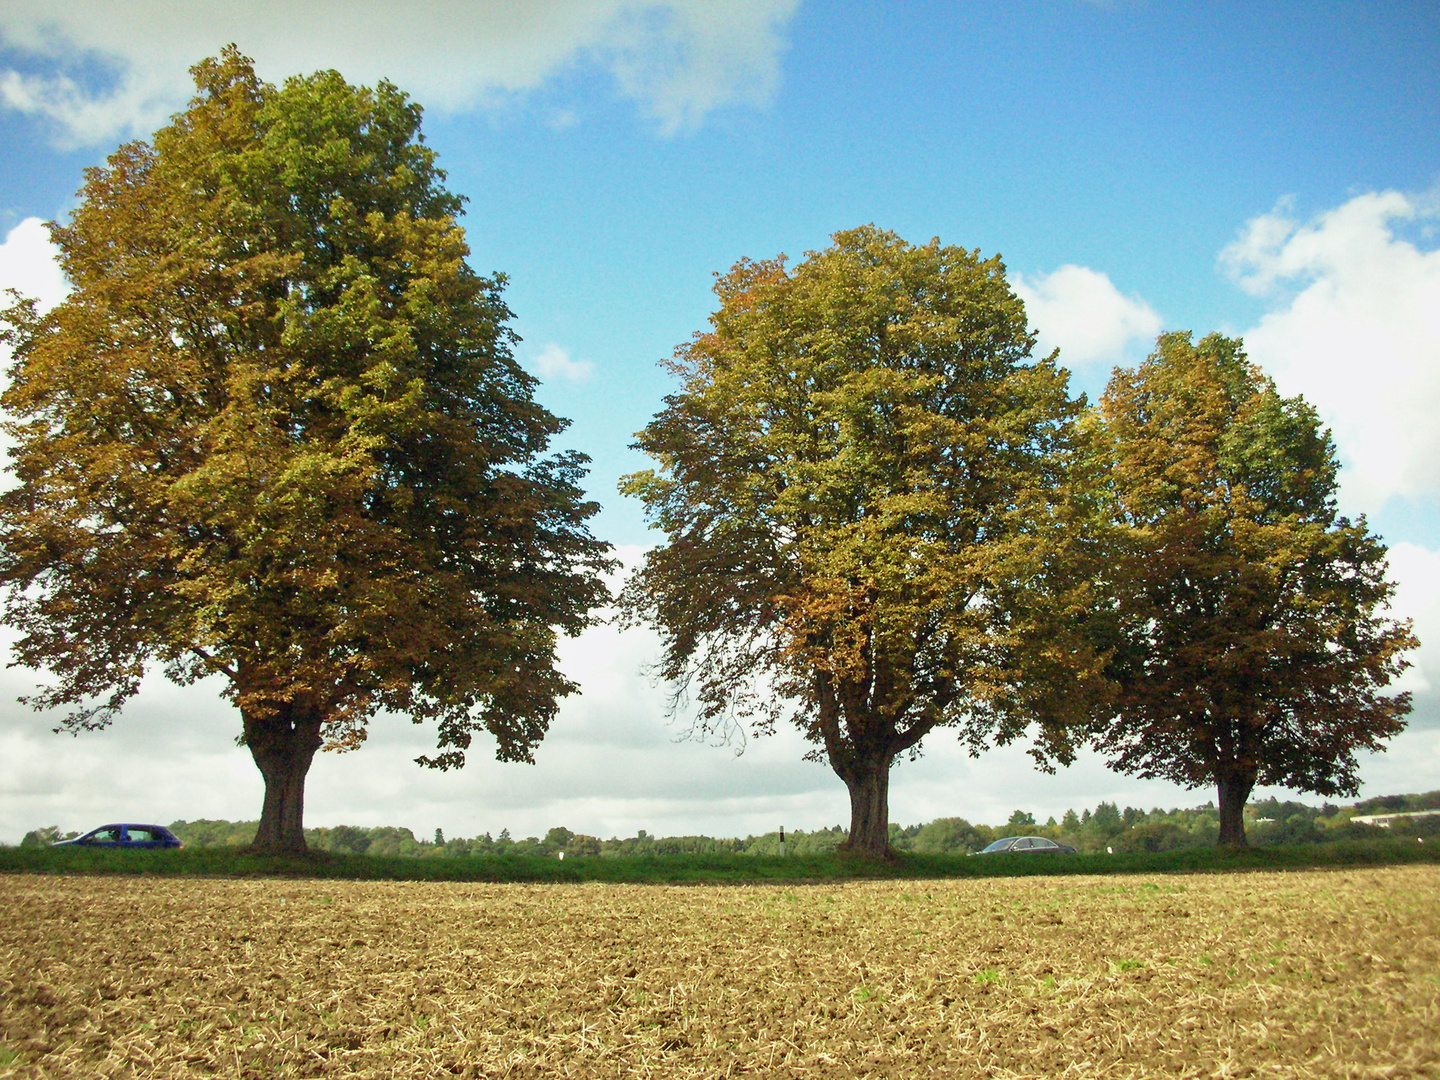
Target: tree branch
218	665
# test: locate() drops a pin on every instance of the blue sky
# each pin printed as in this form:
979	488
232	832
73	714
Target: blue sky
1269	170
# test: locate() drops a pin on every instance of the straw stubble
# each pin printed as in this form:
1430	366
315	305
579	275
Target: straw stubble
1322	974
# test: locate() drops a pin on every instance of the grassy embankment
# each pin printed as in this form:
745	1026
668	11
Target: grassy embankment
703	869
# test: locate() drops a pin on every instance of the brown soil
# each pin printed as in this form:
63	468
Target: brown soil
1327	974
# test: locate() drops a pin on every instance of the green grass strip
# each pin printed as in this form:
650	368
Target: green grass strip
716	869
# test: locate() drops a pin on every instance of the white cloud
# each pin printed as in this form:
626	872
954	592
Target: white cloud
1416	572
1409	764
1354	327
1082	313
681	60
552	362
28	265
1356	330
677	59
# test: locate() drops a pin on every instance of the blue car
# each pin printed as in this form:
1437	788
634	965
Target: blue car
125	836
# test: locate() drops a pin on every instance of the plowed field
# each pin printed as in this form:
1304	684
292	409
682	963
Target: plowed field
1326	974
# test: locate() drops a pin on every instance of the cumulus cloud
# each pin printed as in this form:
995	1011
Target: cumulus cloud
1082	313
28	265
96	70
680	60
1416	572
552	363
1355	328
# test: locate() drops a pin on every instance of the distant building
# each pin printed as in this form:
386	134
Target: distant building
1384	820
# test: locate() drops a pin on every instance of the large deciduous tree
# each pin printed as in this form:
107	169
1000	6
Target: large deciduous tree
872	530
276	433
1254	644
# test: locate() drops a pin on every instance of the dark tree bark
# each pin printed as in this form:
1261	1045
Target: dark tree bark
1235	787
283	743
868	780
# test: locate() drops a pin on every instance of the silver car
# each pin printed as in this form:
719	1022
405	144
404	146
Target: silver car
1025	844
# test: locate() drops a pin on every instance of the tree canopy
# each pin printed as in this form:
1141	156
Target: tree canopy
873	523
276	433
1254	644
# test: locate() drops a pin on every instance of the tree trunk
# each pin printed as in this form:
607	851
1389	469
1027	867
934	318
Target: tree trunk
283	745
1235	788
869	782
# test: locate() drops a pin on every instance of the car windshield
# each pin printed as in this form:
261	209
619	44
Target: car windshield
1001	845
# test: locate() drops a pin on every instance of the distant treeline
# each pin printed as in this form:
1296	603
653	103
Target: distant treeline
1269	822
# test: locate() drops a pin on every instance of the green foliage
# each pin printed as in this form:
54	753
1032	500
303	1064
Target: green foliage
798	843
1164	836
1106	820
348	839
583	846
276	433
646	846
46	836
1273	824
1383	804
1130	829
211	833
865	486
1251	643
952	836
558	837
